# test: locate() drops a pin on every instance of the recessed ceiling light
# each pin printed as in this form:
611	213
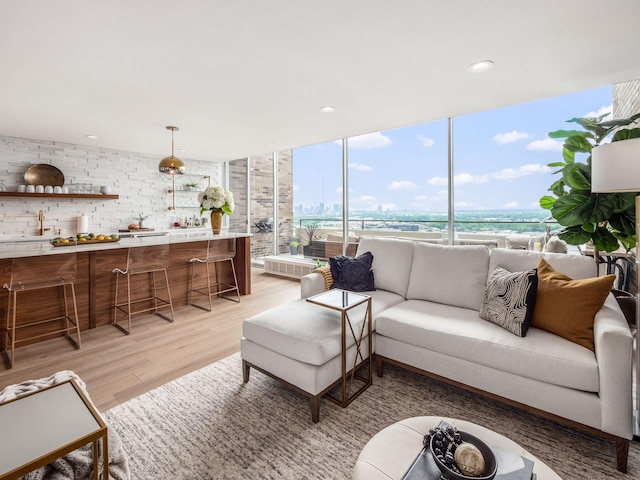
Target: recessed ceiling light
327	109
481	66
92	137
182	150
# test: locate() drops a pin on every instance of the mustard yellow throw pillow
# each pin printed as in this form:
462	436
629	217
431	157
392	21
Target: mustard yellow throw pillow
567	307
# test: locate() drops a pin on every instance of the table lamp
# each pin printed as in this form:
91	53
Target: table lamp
615	168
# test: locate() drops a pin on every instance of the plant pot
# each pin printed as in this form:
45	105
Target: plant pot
294	250
216	222
307	250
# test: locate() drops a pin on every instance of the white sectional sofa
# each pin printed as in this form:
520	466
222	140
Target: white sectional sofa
426	318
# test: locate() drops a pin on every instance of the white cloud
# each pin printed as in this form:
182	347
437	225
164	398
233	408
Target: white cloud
608	109
509	137
360	167
364	200
370	140
425	141
402	185
522	171
465	205
421	198
546	145
443	192
513	204
504	174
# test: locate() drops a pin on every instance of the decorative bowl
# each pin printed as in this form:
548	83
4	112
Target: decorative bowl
490	463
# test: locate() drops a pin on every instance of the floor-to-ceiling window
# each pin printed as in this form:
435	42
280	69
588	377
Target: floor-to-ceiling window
398	179
317	194
390	188
501	159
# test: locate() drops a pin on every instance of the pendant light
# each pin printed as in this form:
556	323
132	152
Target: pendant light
172	164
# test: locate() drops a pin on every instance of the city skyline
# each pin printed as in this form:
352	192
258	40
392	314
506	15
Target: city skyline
500	160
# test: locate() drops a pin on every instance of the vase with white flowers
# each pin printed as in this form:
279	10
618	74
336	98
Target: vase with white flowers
219	201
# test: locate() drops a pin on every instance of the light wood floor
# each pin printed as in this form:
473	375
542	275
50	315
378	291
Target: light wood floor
118	367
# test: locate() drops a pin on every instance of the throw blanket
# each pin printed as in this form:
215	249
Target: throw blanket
79	463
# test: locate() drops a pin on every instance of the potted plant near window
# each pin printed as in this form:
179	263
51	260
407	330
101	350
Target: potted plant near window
293	245
310	234
606	219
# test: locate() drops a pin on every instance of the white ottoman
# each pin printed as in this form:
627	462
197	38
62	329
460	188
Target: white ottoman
300	344
390	452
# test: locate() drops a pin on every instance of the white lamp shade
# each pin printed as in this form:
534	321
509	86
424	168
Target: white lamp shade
615	167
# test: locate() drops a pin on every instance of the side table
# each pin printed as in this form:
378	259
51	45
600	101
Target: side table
44	425
343	301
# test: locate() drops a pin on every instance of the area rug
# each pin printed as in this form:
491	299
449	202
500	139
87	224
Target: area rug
210	425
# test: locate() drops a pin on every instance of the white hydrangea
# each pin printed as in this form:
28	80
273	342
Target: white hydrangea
216	198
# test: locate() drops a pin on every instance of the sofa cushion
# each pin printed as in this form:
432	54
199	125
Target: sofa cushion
576	266
462	333
310	333
392	259
352	274
454	275
567	307
509	299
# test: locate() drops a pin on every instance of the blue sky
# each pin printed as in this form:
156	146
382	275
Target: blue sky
500	159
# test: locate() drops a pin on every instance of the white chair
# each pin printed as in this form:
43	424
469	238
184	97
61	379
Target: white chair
36	273
218	251
141	260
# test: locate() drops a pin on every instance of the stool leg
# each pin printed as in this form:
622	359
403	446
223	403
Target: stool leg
129	301
14	294
206	264
75	313
166	280
235	279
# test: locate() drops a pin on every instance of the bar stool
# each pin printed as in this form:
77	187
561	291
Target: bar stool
149	260
36	273
218	251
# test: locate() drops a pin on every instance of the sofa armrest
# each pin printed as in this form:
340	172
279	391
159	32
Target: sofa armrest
311	284
614	352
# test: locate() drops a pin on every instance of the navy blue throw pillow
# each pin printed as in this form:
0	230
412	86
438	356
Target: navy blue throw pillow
353	274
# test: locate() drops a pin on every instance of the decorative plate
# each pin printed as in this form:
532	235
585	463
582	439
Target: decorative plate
43	174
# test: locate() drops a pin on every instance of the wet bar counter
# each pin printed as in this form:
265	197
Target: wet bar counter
95	280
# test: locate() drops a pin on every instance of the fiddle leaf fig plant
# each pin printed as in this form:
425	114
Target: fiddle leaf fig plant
606	219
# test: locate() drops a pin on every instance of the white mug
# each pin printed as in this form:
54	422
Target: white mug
65	189
22	188
57	189
30	189
106	190
39	188
48	189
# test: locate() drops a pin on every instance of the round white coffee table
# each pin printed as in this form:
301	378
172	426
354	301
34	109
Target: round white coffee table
390	452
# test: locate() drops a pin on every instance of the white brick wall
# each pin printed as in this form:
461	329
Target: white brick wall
133	176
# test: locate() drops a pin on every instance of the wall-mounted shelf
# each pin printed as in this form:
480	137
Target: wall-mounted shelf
173	190
59	195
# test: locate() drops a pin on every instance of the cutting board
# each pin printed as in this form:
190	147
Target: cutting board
137	230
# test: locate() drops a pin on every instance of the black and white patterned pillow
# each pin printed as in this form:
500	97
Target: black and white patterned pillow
509	299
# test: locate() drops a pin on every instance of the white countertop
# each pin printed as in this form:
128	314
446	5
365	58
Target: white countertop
35	246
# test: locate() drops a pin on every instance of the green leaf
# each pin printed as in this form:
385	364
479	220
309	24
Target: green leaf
628	242
557	188
557	164
626	134
578	177
574	235
578	144
597	209
604	240
568	209
623	202
547	202
621	122
569	133
623	223
568	155
589	227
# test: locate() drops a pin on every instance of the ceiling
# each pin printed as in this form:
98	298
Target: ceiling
249	77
